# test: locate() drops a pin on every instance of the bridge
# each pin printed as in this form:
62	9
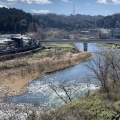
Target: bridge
101	41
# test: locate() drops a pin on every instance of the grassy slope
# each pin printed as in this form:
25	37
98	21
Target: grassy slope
94	107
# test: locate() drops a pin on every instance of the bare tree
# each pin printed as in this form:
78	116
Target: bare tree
70	91
105	68
54	88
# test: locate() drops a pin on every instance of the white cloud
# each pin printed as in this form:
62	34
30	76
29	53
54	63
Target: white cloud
27	1
41	11
109	1
65	0
1	6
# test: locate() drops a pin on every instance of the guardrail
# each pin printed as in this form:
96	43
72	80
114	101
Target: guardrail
13	51
14	54
81	41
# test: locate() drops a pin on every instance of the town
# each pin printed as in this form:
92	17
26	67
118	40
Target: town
16	42
12	42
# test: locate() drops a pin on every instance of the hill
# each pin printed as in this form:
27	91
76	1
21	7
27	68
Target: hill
110	21
78	21
16	21
69	23
13	20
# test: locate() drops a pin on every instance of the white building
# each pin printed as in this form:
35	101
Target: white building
116	33
2	45
104	33
6	44
26	41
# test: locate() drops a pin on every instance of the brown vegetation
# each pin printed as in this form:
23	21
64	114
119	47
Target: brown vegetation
16	74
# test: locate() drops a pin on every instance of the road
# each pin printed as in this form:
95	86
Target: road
115	41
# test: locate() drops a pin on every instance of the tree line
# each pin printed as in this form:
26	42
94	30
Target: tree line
13	20
68	23
16	21
78	21
110	21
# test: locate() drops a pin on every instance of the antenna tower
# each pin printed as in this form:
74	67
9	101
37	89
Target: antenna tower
73	7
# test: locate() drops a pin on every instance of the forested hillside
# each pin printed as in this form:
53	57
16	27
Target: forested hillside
78	21
67	22
13	20
110	21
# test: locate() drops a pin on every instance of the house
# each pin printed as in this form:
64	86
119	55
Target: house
94	32
116	33
6	44
18	41
104	33
2	45
85	33
5	36
26	41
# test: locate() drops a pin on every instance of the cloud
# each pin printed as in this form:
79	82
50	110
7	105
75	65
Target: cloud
1	6
41	11
109	1
27	1
65	0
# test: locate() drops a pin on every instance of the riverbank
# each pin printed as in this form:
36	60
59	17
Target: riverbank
114	46
97	106
93	107
16	75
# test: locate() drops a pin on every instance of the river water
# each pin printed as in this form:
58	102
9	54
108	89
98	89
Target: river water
41	94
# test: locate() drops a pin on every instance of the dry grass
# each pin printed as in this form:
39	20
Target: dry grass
16	74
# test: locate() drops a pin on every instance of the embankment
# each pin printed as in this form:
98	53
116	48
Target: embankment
16	74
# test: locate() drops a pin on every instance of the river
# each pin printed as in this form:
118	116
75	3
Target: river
41	94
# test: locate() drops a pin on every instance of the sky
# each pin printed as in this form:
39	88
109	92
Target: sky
86	7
